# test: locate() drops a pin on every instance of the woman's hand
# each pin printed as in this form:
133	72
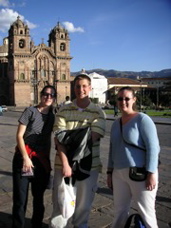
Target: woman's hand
150	181
27	164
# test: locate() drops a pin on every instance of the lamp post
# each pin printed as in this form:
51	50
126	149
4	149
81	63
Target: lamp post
66	91
56	87
56	82
92	93
139	79
157	100
34	83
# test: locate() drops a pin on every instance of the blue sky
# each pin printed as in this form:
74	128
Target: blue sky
122	35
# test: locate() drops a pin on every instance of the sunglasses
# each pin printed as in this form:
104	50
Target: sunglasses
51	95
122	98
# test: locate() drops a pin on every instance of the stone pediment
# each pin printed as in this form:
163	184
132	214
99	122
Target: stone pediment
45	49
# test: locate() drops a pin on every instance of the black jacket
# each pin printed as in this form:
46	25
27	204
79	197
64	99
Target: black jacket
78	145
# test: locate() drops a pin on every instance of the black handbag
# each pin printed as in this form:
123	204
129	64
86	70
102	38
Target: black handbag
137	173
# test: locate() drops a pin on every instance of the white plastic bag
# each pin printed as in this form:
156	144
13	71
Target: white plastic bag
67	198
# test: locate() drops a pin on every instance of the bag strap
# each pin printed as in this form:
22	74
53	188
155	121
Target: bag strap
139	221
120	121
137	217
126	141
129	220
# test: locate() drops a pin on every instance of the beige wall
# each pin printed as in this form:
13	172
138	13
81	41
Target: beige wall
22	94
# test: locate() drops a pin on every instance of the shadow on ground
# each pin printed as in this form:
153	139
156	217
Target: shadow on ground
6	221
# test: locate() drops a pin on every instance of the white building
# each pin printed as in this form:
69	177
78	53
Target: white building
157	82
99	87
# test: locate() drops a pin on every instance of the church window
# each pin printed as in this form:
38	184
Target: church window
62	47
43	73
63	76
22	76
21	43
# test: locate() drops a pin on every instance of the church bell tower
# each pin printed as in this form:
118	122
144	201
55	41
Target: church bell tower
59	41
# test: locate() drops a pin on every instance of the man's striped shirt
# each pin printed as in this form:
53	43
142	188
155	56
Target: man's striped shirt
72	117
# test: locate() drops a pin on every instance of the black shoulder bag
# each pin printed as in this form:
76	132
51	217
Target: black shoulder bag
138	222
135	173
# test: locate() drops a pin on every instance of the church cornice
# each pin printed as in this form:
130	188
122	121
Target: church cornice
22	81
64	57
22	55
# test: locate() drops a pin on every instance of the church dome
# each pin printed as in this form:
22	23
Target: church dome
18	23
59	28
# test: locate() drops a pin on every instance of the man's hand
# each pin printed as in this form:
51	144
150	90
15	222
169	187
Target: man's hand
95	136
66	170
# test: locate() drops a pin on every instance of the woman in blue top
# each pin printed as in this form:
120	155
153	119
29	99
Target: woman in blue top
133	143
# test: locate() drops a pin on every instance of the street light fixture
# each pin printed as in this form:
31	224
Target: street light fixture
139	79
34	83
66	91
56	87
157	97
56	81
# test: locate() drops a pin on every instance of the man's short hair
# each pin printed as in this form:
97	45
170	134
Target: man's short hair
81	77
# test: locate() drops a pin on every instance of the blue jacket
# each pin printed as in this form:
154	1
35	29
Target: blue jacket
140	131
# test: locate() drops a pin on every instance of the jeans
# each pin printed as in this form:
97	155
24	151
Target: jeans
20	193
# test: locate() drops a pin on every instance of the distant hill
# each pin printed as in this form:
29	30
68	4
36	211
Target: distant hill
129	74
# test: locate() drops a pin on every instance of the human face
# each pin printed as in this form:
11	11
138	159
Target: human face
48	97
82	88
125	101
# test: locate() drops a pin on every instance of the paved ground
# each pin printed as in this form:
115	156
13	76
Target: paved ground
102	212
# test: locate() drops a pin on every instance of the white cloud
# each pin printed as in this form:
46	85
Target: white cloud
70	27
8	16
31	25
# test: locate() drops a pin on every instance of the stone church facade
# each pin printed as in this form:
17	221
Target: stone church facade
25	68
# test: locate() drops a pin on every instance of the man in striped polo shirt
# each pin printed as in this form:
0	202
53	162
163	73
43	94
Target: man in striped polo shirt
81	113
